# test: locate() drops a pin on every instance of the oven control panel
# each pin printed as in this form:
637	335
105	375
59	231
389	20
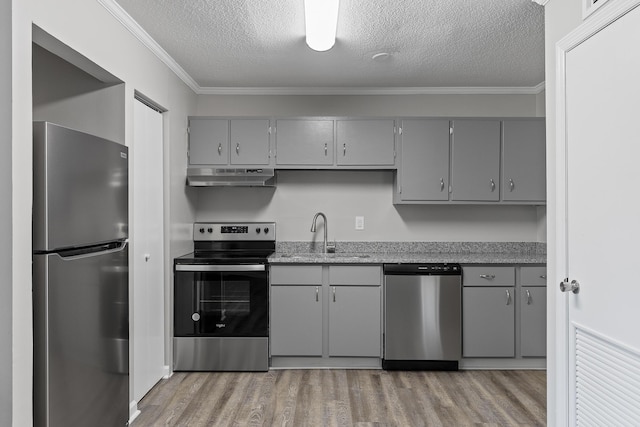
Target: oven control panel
234	231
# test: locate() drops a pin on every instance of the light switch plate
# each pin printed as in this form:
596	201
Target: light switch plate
359	223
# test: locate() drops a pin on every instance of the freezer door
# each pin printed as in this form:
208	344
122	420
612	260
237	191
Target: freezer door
80	188
81	339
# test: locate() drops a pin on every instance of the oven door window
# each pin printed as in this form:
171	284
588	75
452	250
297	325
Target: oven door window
221	304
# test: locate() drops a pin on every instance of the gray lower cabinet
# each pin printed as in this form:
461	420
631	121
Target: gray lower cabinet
326	311
504	311
354	327
365	142
488	327
296	321
533	311
306	142
424	161
533	321
523	160
475	160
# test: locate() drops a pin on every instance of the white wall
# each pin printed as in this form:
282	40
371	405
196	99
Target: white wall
343	195
5	212
89	29
561	17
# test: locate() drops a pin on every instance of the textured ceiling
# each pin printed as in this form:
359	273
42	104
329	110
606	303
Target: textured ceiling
433	43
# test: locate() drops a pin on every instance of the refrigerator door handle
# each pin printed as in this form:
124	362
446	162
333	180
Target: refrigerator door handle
73	255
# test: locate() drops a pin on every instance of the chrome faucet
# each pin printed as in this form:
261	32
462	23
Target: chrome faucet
328	247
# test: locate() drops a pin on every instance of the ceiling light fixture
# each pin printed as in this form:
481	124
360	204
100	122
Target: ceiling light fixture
321	21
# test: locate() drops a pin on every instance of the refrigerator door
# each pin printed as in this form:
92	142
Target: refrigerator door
81	339
80	188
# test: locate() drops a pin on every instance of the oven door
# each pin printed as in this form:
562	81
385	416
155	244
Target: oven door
221	301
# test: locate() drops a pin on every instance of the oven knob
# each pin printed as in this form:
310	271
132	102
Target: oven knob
195	317
258	230
210	230
202	230
266	230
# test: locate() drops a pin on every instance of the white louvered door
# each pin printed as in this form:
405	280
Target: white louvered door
599	195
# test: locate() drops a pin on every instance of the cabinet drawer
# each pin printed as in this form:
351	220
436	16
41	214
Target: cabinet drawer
355	275
488	276
533	276
296	275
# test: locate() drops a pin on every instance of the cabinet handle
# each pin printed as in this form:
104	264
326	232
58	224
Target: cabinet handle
325	148
344	149
508	296
220	149
493	184
334	294
543	276
528	297
441	184
511	185
488	276
238	148
317	293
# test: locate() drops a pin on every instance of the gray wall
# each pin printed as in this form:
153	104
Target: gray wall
6	323
343	195
66	95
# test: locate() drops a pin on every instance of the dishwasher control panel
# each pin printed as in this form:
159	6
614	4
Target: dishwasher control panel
431	269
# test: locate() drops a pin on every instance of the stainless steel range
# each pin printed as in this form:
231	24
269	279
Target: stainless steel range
221	298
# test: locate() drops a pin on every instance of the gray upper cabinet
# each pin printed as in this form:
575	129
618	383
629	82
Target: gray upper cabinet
304	142
424	160
365	142
475	160
219	141
249	141
523	160
208	141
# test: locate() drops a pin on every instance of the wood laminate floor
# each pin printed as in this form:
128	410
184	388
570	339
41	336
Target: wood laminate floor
347	398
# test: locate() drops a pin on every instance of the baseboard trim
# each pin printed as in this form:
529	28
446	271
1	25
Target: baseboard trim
133	411
503	364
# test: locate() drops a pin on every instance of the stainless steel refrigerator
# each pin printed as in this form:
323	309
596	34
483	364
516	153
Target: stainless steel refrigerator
80	279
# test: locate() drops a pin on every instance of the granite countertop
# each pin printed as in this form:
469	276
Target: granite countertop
411	252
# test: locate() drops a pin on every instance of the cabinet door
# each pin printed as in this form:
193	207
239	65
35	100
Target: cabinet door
424	169
304	142
523	160
365	142
354	321
296	321
208	141
533	322
249	141
475	161
488	322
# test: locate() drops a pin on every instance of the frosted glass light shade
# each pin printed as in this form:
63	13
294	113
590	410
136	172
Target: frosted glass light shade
321	20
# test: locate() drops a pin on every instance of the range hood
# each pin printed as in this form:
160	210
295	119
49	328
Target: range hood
230	177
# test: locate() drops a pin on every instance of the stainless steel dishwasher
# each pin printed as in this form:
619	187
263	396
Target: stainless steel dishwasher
422	306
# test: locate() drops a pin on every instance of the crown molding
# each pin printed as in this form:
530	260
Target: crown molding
134	28
372	90
541	2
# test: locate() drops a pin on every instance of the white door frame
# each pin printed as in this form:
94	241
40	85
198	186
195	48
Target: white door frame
605	16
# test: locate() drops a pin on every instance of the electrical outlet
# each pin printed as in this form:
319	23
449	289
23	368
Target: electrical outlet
359	223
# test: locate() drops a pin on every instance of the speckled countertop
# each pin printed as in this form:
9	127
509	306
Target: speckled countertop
411	252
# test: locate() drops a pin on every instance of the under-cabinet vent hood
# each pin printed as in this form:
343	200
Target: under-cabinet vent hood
230	177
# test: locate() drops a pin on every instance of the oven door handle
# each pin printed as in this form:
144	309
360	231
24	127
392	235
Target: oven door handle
231	268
